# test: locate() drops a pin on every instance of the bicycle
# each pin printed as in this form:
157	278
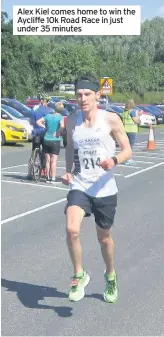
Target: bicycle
35	165
36	162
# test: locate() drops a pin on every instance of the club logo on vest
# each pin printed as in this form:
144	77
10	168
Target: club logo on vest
89	141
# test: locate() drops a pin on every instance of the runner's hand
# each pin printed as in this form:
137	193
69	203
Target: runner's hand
107	164
66	178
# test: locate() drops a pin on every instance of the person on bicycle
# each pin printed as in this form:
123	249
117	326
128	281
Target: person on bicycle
38	132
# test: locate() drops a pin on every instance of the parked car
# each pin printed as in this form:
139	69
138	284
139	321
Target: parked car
161	107
17	105
158	112
147	119
70	107
152	110
9	113
12	132
57	98
72	100
117	108
31	102
108	107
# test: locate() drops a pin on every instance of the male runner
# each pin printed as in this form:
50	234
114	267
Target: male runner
91	147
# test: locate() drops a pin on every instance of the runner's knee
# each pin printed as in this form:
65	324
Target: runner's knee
104	236
74	218
73	230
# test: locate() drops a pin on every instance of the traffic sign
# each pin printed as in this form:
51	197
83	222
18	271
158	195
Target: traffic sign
106	86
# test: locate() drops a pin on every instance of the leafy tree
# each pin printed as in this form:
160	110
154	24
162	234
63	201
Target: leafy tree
32	63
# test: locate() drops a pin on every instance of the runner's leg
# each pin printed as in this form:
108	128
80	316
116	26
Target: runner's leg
74	216
80	280
104	211
107	247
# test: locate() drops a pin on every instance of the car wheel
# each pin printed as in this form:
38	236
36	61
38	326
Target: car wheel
3	140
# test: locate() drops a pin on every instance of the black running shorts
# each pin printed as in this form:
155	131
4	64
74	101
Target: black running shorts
51	147
103	209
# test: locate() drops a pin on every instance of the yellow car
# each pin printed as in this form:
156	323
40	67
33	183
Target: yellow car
12	132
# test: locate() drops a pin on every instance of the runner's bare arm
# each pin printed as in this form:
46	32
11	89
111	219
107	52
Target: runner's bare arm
69	152
121	137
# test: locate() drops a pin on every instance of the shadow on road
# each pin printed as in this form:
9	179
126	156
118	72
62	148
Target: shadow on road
19	176
30	294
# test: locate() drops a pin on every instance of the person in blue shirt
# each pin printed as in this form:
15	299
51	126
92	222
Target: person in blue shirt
52	123
38	132
38	112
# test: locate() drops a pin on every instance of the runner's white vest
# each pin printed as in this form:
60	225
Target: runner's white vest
91	145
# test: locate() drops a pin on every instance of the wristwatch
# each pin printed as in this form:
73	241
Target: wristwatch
115	160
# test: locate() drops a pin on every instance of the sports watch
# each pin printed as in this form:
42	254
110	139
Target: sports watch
115	160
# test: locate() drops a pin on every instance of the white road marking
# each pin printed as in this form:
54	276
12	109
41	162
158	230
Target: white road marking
142	146
144	170
145	142
151	157
32	211
146	152
24	173
138	143
159	141
129	166
144	162
34	185
10	167
14	172
6	168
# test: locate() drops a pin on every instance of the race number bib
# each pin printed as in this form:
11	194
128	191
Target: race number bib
90	160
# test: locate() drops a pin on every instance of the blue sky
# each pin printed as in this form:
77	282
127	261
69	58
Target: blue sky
149	8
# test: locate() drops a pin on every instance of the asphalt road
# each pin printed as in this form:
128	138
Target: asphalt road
36	268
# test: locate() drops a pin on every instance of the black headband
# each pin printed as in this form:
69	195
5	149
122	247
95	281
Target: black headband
84	84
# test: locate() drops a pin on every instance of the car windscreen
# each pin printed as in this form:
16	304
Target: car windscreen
12	111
